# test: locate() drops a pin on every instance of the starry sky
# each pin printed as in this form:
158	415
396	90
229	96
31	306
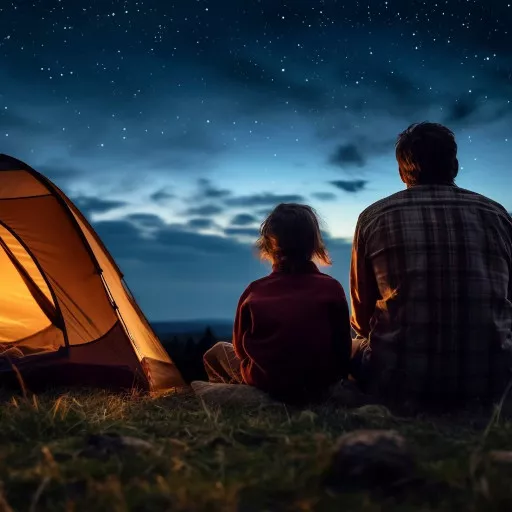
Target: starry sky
177	125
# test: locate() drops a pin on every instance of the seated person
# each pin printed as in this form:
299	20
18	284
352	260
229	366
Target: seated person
431	283
291	336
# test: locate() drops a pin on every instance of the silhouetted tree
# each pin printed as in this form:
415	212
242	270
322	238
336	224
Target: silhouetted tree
187	354
207	341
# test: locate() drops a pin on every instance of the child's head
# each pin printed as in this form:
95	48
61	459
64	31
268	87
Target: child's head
291	233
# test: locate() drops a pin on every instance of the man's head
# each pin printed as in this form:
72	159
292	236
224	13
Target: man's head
427	155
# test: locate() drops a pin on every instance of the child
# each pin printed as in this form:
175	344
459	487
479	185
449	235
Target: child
291	336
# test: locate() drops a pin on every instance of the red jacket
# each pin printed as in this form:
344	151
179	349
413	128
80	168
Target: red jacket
292	331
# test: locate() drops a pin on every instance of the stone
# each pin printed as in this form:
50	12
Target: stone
104	445
239	395
370	459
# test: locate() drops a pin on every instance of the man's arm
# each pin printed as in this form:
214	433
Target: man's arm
364	292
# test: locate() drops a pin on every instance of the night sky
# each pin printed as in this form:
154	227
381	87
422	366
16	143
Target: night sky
176	126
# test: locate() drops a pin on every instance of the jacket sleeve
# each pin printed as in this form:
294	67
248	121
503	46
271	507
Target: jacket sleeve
364	292
241	324
342	331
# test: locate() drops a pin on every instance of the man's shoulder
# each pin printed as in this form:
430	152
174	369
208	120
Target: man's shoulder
376	208
484	201
412	197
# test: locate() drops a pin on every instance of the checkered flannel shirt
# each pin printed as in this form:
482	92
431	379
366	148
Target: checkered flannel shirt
431	293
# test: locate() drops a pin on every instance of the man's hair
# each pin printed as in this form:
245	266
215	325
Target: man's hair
427	154
291	234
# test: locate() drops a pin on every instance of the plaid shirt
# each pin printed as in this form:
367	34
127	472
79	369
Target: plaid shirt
431	292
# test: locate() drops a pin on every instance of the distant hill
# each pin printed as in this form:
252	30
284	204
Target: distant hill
221	328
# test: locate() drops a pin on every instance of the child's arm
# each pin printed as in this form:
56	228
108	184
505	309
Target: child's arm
342	331
240	325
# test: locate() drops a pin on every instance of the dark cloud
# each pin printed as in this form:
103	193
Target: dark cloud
205	210
400	85
347	155
91	205
324	196
265	199
476	108
462	109
162	196
243	219
201	223
351	186
246	232
209	191
403	93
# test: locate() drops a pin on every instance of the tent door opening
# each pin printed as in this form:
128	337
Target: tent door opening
29	319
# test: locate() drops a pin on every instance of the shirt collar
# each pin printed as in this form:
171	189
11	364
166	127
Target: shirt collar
307	267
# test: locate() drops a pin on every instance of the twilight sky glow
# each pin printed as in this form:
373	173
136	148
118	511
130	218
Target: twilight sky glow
176	125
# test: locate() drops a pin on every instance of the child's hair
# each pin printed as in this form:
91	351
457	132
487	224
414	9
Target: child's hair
292	233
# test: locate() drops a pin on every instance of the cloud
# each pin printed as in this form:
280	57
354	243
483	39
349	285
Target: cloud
347	155
205	210
243	219
324	196
476	108
351	186
201	223
92	205
264	199
162	196
209	191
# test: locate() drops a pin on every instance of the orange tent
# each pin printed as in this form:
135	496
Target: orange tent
66	315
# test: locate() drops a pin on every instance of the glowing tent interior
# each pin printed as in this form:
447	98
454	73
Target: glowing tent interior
66	315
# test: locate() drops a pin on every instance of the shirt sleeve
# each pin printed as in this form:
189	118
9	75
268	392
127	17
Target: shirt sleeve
241	324
342	332
364	292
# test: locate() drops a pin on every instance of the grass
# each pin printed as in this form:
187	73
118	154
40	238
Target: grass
213	460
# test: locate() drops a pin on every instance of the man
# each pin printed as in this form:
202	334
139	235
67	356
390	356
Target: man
431	285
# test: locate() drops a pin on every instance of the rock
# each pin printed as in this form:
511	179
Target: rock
105	445
238	395
370	459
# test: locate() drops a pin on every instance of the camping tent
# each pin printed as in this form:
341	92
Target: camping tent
66	315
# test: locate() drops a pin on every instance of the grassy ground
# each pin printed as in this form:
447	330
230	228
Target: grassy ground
204	459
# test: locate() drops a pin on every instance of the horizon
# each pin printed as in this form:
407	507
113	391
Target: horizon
175	129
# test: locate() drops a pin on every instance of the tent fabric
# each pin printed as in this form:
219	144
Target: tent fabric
16	184
61	291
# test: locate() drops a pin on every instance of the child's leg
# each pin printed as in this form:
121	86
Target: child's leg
222	364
